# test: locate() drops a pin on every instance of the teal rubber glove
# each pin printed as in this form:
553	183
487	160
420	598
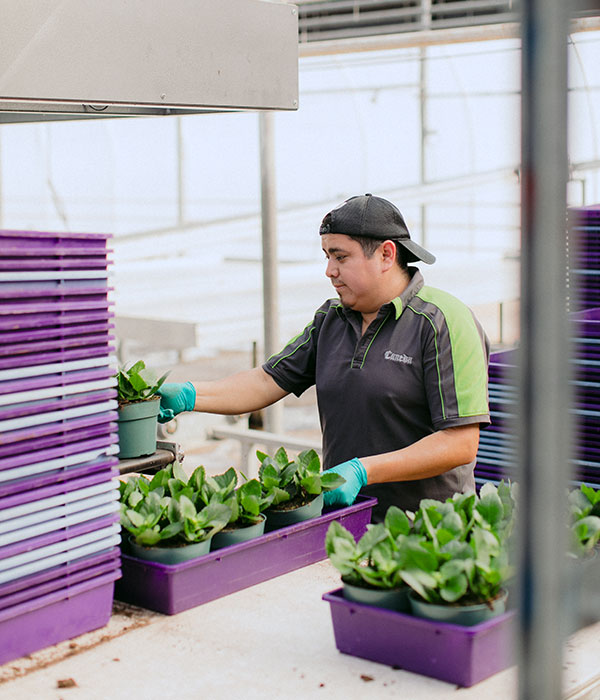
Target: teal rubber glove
356	477
174	399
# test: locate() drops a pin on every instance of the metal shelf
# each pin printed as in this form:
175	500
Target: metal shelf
166	453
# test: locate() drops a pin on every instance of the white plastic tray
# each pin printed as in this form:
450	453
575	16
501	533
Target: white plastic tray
24	275
58	523
60	499
35	556
35	370
53	416
53	391
57	558
51	464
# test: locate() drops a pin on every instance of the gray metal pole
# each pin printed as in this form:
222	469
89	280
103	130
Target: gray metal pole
424	136
273	414
544	392
426	23
180	173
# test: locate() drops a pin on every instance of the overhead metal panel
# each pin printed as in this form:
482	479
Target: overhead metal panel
126	57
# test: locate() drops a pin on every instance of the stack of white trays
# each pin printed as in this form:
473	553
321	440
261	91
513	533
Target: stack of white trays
59	530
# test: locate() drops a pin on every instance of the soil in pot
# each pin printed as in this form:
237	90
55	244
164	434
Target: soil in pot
456	614
169	554
137	423
233	534
389	598
292	512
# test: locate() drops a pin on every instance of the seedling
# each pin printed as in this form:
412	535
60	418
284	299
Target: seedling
137	383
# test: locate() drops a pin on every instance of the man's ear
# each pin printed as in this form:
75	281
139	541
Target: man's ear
388	254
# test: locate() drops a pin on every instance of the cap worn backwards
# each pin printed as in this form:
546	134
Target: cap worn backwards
374	217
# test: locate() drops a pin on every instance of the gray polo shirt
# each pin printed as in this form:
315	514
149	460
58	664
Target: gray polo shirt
421	366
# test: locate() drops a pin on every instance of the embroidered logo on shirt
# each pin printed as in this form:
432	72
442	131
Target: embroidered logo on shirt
395	357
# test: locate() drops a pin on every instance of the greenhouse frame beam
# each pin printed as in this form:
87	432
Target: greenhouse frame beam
430	37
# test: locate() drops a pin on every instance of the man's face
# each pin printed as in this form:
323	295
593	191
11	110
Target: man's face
354	276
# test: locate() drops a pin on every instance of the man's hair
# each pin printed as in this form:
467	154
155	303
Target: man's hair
370	245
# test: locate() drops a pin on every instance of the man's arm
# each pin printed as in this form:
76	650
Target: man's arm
430	456
243	392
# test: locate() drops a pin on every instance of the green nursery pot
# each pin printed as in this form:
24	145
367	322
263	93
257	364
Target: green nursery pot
391	599
169	555
137	428
466	615
224	538
282	518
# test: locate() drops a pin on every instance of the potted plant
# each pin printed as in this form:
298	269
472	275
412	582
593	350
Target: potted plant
295	486
164	523
456	559
370	568
246	503
138	410
584	510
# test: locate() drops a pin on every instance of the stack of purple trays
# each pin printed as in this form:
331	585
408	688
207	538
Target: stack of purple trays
59	530
584	257
496	458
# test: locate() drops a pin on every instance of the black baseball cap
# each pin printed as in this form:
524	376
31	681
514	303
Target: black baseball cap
374	217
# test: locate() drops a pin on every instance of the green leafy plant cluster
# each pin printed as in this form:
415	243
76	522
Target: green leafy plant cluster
137	383
584	510
456	551
301	479
171	510
246	500
375	560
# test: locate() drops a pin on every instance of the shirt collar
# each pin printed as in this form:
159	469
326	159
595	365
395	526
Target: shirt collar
415	284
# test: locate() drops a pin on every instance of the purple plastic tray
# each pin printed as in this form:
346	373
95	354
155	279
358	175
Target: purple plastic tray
36	306
10	437
26	458
66	438
451	653
35	346
64	535
102	466
88	398
52	319
173	588
31	493
31	334
108	556
10	291
35	590
55	378
58	356
49	239
57	616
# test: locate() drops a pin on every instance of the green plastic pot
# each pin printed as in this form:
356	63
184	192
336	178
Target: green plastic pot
466	615
391	599
281	518
137	428
169	555
224	538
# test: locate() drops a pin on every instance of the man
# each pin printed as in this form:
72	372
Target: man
400	368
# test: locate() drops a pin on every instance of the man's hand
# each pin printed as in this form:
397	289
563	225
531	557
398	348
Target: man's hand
175	398
356	477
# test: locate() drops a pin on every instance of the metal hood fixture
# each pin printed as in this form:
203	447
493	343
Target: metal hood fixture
76	59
